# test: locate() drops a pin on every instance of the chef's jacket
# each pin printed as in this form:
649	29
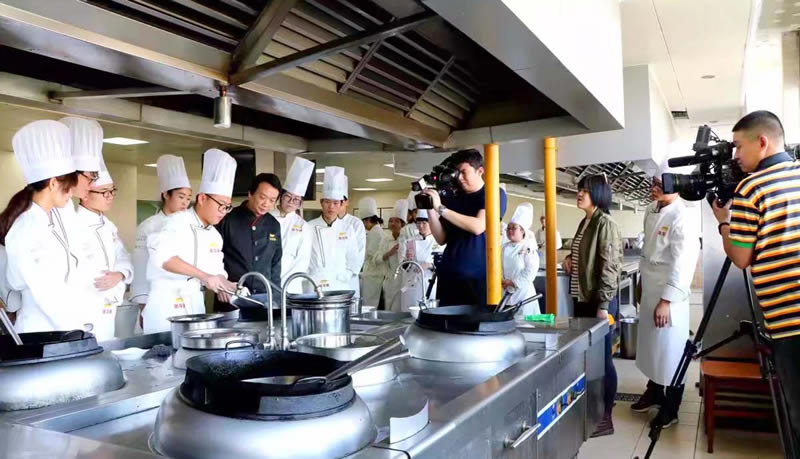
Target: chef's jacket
251	243
391	286
329	247
421	250
171	294
106	253
296	239
372	276
47	264
521	265
140	287
355	258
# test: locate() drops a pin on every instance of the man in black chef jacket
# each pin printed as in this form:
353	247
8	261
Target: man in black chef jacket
252	238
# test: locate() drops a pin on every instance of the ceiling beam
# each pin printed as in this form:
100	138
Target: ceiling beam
433	83
120	93
260	33
332	47
360	66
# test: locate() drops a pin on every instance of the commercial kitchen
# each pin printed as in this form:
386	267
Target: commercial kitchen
550	93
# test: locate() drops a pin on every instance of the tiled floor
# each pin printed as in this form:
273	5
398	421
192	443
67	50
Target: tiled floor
687	440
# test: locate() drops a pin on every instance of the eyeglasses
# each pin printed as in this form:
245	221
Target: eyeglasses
92	176
107	193
224	208
293	200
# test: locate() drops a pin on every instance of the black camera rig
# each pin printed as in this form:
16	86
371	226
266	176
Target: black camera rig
443	177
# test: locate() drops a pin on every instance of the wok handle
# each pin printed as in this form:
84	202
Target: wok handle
9	327
240	341
523	302
366	359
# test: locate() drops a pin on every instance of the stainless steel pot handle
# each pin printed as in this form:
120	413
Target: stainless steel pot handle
240	341
527	432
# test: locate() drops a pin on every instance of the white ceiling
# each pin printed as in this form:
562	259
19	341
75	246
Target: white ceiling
684	40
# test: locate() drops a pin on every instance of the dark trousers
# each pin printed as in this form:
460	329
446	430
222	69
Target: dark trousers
610	379
786	352
664	394
453	289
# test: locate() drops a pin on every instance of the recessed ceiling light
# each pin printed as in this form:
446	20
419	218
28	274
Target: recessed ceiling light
375	180
321	171
794	26
124	141
713	122
708	77
776	21
389	165
151	165
364	189
525	173
320	183
780	11
795	14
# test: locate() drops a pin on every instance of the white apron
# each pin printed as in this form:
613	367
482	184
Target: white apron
357	236
521	265
173	294
422	253
667	266
391	286
372	275
140	286
296	240
328	265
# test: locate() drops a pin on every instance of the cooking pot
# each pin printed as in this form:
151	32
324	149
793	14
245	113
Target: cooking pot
182	324
328	314
199	342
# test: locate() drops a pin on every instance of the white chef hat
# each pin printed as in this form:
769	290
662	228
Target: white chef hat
401	209
298	176
103	177
346	186
334	185
412	204
87	142
422	214
523	216
43	150
367	207
171	173
219	171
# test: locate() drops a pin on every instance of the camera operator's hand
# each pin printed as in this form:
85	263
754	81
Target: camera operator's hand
437	201
722	213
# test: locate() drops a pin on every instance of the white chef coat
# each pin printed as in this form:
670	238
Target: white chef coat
372	276
355	259
330	244
296	239
503	233
669	257
521	265
12	299
140	287
541	236
391	286
44	267
107	253
409	231
422	253
171	294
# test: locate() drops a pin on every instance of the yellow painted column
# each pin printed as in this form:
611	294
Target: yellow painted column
550	228
491	160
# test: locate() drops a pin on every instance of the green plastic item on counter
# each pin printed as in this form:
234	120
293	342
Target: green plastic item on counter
540	318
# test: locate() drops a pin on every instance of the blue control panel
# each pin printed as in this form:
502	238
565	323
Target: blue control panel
552	411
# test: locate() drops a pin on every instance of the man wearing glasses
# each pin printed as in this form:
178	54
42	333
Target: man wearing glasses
187	254
251	239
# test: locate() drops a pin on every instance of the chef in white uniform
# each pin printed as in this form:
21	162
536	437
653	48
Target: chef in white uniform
388	257
357	234
296	234
541	240
420	249
331	239
186	254
520	260
372	275
667	265
176	194
111	261
42	264
410	231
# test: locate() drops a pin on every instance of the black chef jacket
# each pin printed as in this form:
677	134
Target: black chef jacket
250	244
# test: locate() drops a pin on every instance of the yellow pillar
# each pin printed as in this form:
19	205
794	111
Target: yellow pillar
491	160
550	228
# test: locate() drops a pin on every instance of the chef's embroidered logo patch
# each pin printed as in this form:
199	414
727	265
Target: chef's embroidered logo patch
663	231
214	248
297	228
342	236
272	237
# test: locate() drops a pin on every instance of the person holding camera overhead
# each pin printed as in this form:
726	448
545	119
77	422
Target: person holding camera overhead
760	230
459	220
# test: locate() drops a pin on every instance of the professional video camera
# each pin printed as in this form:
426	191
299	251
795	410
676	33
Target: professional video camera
443	177
717	175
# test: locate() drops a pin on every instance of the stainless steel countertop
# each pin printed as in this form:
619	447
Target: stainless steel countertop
118	424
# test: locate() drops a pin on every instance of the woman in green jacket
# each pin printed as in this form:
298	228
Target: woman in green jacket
594	267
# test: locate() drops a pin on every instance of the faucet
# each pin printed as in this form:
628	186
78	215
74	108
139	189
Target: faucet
239	285
421	277
284	325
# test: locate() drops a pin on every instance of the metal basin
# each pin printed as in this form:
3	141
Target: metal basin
182	324
347	347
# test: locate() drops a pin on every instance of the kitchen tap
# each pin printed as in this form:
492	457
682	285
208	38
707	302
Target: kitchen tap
284	325
270	342
421	278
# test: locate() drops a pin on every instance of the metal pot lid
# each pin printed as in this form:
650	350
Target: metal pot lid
196	317
331	297
469	319
47	346
339	346
242	384
218	338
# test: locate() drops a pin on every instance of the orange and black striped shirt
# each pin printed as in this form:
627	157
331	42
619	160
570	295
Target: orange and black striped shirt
765	216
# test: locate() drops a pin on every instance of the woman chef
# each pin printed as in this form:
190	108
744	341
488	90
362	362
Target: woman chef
520	260
669	257
186	254
419	249
388	257
42	264
372	275
113	268
295	232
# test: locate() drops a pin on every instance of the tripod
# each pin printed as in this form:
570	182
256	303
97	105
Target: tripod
763	350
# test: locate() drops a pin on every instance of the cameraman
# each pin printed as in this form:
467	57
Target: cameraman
760	229
460	222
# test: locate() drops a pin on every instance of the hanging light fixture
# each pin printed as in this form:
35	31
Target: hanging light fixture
222	109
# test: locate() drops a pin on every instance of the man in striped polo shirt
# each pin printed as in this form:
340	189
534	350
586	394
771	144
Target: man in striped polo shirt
761	229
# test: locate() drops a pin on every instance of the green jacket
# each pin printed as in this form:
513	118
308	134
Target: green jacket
600	256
